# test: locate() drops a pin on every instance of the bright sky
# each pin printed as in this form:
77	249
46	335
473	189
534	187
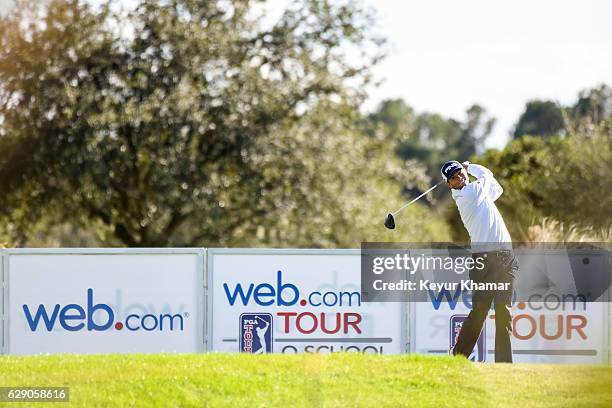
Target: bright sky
449	54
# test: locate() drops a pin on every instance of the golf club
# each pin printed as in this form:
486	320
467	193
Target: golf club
390	220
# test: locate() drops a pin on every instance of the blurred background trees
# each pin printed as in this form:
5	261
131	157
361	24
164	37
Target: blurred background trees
189	123
542	118
561	179
556	179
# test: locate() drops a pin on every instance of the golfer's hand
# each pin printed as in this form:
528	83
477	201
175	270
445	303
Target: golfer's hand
465	164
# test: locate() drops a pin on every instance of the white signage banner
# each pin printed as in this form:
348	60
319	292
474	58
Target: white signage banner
291	301
546	327
104	301
555	332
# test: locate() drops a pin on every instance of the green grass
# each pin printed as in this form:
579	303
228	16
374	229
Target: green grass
308	380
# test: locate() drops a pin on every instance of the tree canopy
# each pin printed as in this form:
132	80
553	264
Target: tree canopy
564	179
548	118
430	138
184	123
190	123
540	118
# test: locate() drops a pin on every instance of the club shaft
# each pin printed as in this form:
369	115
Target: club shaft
407	204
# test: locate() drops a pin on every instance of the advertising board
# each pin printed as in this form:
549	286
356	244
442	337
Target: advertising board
104	301
546	327
291	301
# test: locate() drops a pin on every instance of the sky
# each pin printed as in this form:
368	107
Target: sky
5	5
446	55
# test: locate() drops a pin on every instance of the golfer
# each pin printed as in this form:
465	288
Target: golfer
492	243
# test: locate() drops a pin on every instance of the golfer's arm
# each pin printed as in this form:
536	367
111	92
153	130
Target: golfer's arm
479	171
490	186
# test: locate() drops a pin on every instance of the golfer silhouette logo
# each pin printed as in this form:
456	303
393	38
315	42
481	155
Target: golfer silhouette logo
261	335
256	333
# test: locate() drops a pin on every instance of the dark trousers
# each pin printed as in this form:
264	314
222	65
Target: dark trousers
499	267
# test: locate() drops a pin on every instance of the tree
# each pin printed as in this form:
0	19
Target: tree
540	118
593	107
564	179
475	131
162	126
338	185
396	117
430	138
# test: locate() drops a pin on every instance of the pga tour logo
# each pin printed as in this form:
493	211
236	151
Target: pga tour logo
479	352
256	333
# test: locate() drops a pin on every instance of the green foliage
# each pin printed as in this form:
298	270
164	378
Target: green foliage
184	122
563	178
520	168
593	107
547	118
341	182
540	118
188	123
429	137
579	190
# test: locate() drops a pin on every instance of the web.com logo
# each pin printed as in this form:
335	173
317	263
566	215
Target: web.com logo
288	294
74	317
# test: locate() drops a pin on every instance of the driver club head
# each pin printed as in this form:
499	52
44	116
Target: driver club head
390	221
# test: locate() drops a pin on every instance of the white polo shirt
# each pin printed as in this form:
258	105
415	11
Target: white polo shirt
480	216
